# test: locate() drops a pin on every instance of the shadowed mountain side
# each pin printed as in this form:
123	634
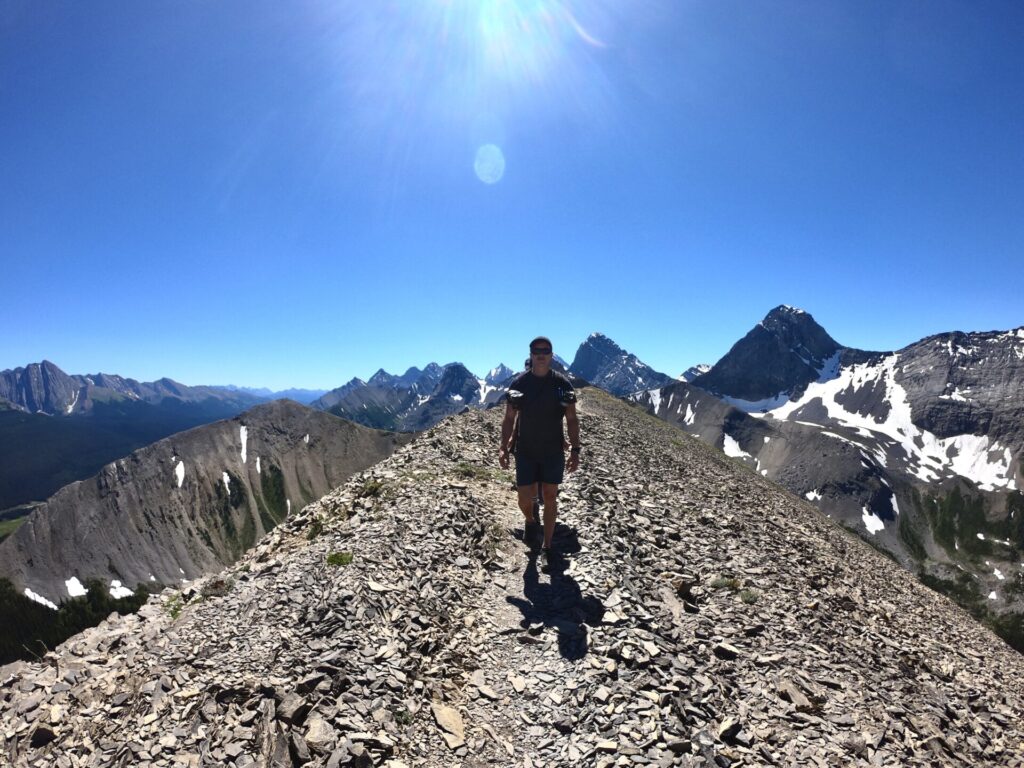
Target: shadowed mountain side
782	353
189	503
736	626
69	448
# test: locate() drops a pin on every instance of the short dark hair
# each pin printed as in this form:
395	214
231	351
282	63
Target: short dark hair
541	340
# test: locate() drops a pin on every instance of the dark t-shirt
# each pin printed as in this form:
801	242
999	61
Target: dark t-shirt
540	413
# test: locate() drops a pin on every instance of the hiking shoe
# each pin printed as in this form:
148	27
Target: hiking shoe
545	559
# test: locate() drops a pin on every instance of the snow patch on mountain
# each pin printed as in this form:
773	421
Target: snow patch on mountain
655	399
36	597
872	521
244	434
179	472
732	448
976	457
75	587
485	389
690	415
117	590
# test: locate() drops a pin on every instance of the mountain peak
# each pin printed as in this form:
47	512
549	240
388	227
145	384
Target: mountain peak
786	315
786	309
381	378
602	362
780	355
694	371
498	374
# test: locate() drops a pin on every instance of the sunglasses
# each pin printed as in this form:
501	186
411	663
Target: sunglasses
541	351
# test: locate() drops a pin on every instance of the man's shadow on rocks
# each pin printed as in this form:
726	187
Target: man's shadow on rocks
559	604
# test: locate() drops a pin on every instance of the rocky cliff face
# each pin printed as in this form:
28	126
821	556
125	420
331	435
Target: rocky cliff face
605	364
187	504
40	387
697	615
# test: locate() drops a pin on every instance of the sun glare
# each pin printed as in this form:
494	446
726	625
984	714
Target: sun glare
443	69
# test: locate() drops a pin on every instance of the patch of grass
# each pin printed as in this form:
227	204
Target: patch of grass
964	590
7	527
910	535
174	605
472	471
371	488
403	716
272	487
339	558
727	582
1015	517
1010	627
956	518
217	587
749	596
315	529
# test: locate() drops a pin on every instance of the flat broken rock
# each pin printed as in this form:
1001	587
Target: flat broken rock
451	722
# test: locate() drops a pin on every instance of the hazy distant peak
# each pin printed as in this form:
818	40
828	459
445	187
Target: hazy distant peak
498	374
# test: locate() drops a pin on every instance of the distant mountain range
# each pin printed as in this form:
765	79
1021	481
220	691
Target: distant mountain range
44	388
76	424
303	396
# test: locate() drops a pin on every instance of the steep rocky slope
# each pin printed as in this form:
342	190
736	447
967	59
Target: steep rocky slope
189	503
698	616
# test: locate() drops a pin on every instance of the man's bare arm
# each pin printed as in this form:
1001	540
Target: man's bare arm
507	425
572	423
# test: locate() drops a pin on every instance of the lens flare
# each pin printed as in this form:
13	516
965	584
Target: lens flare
489	164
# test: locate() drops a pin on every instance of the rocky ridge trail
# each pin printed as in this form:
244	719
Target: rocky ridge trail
698	615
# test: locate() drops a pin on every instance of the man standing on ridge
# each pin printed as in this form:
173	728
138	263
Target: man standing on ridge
541	396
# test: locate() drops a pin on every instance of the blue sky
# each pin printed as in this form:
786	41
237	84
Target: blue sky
284	194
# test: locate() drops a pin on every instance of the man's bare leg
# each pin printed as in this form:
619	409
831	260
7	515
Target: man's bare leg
550	494
527	493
